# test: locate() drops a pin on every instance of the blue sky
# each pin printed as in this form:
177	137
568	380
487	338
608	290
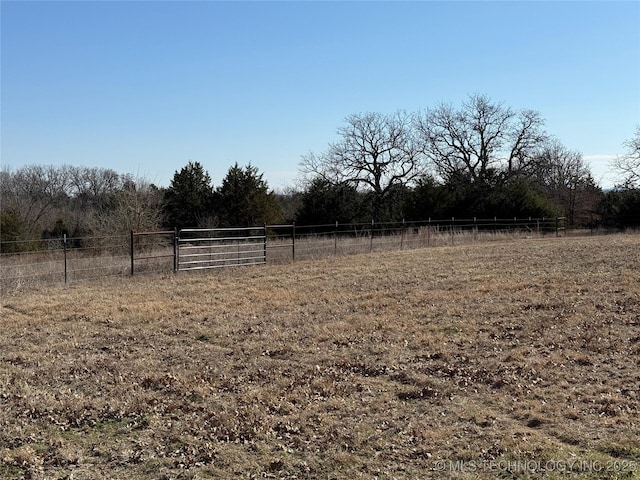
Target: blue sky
145	87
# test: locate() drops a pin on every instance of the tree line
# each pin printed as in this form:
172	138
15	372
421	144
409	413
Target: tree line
481	159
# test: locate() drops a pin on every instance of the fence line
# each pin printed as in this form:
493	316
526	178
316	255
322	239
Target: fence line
67	260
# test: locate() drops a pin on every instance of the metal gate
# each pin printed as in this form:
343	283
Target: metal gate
201	248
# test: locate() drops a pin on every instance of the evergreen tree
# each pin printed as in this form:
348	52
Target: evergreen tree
244	199
11	229
325	203
188	200
429	199
621	208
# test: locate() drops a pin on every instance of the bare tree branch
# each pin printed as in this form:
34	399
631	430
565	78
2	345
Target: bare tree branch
480	139
374	151
628	165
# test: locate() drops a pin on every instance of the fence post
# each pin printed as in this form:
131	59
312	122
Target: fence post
475	228
560	225
452	220
371	237
293	242
131	244
335	240
265	244
64	247
175	249
402	235
429	233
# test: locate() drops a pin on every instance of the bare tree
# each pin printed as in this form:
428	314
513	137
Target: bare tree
566	178
480	140
92	185
375	151
35	191
136	206
80	199
628	165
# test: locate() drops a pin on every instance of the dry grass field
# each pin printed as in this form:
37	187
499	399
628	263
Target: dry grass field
506	360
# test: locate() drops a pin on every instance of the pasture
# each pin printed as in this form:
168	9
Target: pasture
517	359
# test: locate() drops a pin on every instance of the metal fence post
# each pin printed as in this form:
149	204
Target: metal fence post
265	243
131	244
371	237
293	242
64	246
335	240
560	225
452	220
175	249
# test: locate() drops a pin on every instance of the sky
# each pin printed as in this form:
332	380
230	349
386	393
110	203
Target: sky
145	87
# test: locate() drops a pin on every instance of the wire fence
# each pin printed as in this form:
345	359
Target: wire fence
291	242
69	260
